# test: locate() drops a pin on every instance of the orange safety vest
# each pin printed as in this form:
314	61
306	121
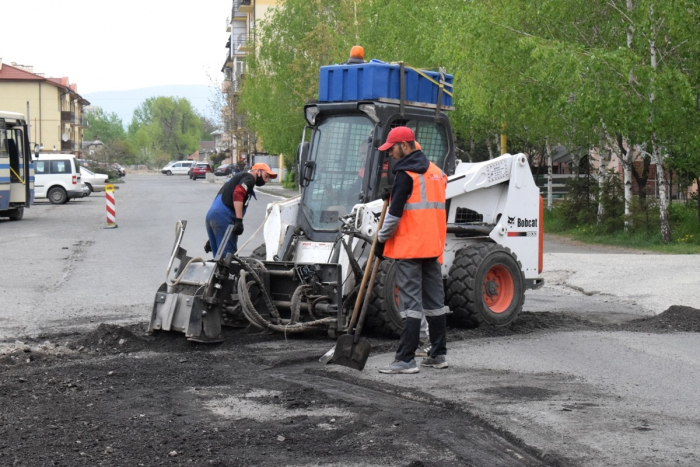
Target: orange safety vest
423	226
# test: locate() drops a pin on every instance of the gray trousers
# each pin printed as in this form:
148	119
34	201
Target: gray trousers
421	293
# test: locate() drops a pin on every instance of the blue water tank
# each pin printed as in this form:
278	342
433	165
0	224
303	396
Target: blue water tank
367	81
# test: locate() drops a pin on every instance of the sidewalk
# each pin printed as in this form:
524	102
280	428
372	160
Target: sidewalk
277	189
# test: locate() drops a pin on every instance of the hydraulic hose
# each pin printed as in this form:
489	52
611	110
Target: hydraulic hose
257	320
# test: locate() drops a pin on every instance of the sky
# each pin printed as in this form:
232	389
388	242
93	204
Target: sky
106	45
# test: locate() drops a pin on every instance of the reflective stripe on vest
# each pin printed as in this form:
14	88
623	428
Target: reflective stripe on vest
423	226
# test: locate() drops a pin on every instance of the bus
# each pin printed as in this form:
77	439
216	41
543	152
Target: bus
16	169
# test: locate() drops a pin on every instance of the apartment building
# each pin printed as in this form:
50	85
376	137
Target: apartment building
241	26
52	106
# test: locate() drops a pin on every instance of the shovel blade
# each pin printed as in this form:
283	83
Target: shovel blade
349	354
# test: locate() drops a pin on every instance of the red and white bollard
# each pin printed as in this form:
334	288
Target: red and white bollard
111	207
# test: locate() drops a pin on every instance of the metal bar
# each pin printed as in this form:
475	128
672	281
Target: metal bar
402	89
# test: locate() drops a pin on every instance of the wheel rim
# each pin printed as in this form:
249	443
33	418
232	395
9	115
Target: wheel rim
498	288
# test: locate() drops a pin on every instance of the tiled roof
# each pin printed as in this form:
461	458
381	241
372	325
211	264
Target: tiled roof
60	81
9	72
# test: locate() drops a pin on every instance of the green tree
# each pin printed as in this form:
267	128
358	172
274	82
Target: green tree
120	151
299	37
165	125
208	126
103	126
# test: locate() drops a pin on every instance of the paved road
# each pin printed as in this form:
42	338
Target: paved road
592	279
62	270
595	397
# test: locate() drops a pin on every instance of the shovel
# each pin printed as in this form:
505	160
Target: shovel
351	350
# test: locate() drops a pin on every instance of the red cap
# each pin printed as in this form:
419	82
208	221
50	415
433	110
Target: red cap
265	167
398	135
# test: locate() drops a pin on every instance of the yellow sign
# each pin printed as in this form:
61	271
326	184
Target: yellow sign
109	187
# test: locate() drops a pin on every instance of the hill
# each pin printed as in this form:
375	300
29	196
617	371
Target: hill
123	103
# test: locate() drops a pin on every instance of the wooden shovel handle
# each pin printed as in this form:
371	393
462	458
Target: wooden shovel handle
365	303
365	276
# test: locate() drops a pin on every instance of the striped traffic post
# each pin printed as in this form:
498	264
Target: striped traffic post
111	207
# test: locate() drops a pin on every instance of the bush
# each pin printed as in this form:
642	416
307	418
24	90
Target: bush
290	180
110	172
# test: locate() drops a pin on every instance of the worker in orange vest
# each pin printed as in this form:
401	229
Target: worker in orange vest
413	234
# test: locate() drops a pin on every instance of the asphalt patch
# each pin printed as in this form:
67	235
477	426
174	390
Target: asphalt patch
675	319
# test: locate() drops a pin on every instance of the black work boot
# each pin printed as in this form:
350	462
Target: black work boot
437	328
409	340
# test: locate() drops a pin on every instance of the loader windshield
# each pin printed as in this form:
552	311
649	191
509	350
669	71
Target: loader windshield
340	148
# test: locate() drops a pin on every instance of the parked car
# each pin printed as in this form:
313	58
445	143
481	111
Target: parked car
86	189
199	171
57	177
121	171
178	168
223	169
95	182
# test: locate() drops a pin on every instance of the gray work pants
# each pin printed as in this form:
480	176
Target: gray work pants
421	293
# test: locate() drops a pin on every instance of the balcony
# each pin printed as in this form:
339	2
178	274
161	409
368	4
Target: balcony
67	117
237	15
246	6
243	43
228	24
228	63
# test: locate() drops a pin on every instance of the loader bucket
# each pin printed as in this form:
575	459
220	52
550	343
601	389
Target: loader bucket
185	313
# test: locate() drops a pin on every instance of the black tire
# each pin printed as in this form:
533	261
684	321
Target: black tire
57	195
167	172
485	285
90	188
16	214
383	313
260	253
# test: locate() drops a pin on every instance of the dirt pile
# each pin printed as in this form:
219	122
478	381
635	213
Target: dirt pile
110	338
675	319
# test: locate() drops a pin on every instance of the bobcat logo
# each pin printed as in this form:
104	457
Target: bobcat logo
511	220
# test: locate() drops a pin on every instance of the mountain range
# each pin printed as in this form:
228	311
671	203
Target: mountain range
123	103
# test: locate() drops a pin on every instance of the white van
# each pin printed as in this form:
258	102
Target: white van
57	177
177	168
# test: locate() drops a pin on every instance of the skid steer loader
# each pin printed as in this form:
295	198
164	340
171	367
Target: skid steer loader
307	273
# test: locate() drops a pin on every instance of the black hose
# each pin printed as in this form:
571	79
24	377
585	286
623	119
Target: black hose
254	317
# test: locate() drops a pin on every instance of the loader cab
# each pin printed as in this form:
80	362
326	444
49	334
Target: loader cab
343	166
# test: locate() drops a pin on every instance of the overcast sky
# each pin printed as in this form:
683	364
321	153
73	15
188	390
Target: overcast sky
104	45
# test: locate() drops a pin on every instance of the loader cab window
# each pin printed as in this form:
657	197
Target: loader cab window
340	149
432	137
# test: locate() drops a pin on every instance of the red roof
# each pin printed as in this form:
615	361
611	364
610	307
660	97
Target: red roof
62	82
9	72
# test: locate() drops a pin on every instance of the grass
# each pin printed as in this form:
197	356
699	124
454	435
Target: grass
685	231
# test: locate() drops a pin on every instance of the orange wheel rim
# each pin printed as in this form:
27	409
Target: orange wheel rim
498	289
